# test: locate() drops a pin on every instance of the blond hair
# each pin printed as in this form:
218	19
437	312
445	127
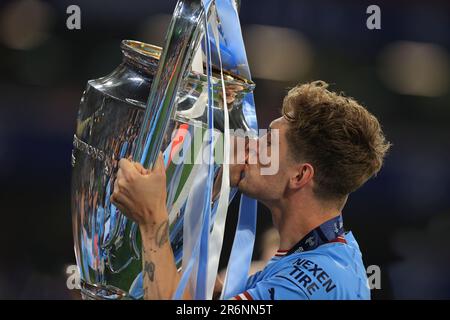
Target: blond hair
341	139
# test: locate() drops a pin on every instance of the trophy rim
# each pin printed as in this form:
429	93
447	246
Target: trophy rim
146	50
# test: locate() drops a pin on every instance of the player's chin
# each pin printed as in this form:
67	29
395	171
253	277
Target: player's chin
244	185
248	190
241	184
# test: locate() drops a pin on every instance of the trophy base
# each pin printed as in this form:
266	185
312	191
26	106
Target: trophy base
101	292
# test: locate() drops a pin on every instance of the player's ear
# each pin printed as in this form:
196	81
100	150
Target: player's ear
302	176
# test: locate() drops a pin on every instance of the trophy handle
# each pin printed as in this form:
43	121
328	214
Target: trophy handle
173	67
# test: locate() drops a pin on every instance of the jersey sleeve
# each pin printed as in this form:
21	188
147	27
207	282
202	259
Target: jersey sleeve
274	288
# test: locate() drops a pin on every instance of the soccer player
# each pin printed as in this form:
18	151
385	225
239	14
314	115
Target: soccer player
329	146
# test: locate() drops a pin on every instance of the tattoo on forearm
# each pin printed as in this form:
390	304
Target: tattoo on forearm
149	270
162	234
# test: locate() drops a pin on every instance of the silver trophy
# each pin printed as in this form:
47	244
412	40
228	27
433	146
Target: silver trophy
109	127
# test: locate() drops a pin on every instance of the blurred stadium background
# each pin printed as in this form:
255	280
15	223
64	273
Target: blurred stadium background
401	72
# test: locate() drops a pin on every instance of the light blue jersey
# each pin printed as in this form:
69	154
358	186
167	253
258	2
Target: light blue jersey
332	271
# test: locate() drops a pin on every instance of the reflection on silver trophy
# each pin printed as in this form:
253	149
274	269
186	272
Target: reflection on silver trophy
107	246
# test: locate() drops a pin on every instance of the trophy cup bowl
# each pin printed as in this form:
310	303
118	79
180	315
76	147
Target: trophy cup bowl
107	244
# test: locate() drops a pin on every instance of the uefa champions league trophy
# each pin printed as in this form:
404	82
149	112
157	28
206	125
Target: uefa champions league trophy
151	102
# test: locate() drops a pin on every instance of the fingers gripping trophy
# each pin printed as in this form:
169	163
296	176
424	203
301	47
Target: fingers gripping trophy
175	111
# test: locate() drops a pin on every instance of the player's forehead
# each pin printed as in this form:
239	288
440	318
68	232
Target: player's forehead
278	123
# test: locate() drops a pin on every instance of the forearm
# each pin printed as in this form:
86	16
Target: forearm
160	276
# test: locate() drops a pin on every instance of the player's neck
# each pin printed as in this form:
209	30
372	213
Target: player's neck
295	219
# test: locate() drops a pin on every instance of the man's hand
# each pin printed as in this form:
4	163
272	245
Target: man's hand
140	193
